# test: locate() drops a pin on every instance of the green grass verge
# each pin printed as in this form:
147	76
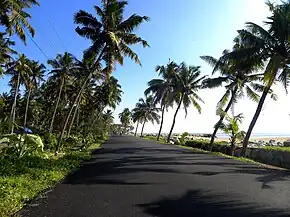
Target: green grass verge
221	154
22	179
243	159
284	149
162	140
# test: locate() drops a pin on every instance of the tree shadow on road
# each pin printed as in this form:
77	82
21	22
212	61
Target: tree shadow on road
204	204
118	166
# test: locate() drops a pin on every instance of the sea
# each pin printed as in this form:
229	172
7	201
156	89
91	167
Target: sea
260	135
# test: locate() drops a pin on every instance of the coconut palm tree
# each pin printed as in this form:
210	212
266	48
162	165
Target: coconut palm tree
111	38
108	120
161	88
14	17
125	118
270	45
19	69
137	115
185	85
232	127
147	111
35	76
109	93
62	67
240	79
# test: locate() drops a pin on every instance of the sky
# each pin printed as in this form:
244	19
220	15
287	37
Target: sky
180	30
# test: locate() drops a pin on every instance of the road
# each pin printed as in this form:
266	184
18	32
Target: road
134	177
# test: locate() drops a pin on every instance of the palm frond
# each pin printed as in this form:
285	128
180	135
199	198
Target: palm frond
133	22
284	77
214	82
252	95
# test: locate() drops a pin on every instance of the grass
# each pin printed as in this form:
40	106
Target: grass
162	140
284	149
221	154
22	179
243	159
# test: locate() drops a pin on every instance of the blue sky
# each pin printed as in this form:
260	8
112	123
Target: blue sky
180	30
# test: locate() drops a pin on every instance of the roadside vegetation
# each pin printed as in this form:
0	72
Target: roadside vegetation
57	112
258	60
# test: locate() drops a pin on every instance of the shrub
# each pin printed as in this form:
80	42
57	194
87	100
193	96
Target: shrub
222	147
22	144
182	138
50	141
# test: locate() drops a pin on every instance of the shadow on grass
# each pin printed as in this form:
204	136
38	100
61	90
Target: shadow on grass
199	203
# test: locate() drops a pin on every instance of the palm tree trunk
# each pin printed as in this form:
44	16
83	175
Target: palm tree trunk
142	128
254	120
27	105
77	98
56	106
222	116
233	144
73	118
13	110
161	124
174	118
136	129
70	112
78	119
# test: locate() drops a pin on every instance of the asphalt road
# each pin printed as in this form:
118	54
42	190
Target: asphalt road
133	177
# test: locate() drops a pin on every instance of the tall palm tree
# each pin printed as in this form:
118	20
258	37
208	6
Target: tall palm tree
111	38
108	120
147	111
35	76
185	85
14	17
273	47
62	67
160	88
19	69
125	118
240	79
137	116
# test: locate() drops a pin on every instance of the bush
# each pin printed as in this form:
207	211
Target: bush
23	144
50	141
222	147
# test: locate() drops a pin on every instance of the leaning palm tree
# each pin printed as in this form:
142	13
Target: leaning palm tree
160	88
62	67
111	37
240	79
147	111
185	85
273	47
35	76
19	69
14	17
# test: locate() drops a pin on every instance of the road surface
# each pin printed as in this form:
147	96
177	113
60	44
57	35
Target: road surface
134	177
